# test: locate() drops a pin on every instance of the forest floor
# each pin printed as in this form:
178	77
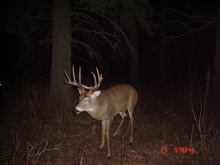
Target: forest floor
169	129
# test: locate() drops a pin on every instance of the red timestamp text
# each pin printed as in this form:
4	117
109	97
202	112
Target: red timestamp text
181	150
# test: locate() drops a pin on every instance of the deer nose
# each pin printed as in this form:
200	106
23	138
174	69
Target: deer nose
76	111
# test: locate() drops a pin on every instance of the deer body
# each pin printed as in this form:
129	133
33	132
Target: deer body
104	105
109	103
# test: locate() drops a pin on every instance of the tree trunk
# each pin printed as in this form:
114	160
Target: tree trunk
61	49
217	51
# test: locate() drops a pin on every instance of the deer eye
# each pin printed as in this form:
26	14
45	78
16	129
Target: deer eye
85	100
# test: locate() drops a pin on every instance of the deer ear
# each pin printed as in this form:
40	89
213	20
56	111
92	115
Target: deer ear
96	93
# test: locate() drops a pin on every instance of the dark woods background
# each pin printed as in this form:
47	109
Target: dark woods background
172	43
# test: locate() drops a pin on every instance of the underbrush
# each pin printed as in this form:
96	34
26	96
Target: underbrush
168	130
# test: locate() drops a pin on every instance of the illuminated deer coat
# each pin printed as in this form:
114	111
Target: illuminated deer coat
104	105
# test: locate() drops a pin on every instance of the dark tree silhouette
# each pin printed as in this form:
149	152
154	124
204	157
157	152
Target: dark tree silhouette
61	48
217	50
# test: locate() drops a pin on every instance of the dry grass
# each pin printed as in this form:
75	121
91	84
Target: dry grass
165	128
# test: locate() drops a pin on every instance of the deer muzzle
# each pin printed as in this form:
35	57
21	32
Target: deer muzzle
76	111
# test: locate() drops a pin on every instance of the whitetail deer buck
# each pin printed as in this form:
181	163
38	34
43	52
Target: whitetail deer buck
104	105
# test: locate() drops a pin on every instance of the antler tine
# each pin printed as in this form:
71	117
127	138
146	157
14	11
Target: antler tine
97	71
79	75
94	77
99	77
66	76
73	72
68	81
96	86
74	82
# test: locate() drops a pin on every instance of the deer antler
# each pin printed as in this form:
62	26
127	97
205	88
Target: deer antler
74	83
96	86
79	85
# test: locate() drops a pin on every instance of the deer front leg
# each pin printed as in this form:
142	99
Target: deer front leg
103	134
108	125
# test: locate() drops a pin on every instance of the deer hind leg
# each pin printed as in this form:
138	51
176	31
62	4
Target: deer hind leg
130	111
122	121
